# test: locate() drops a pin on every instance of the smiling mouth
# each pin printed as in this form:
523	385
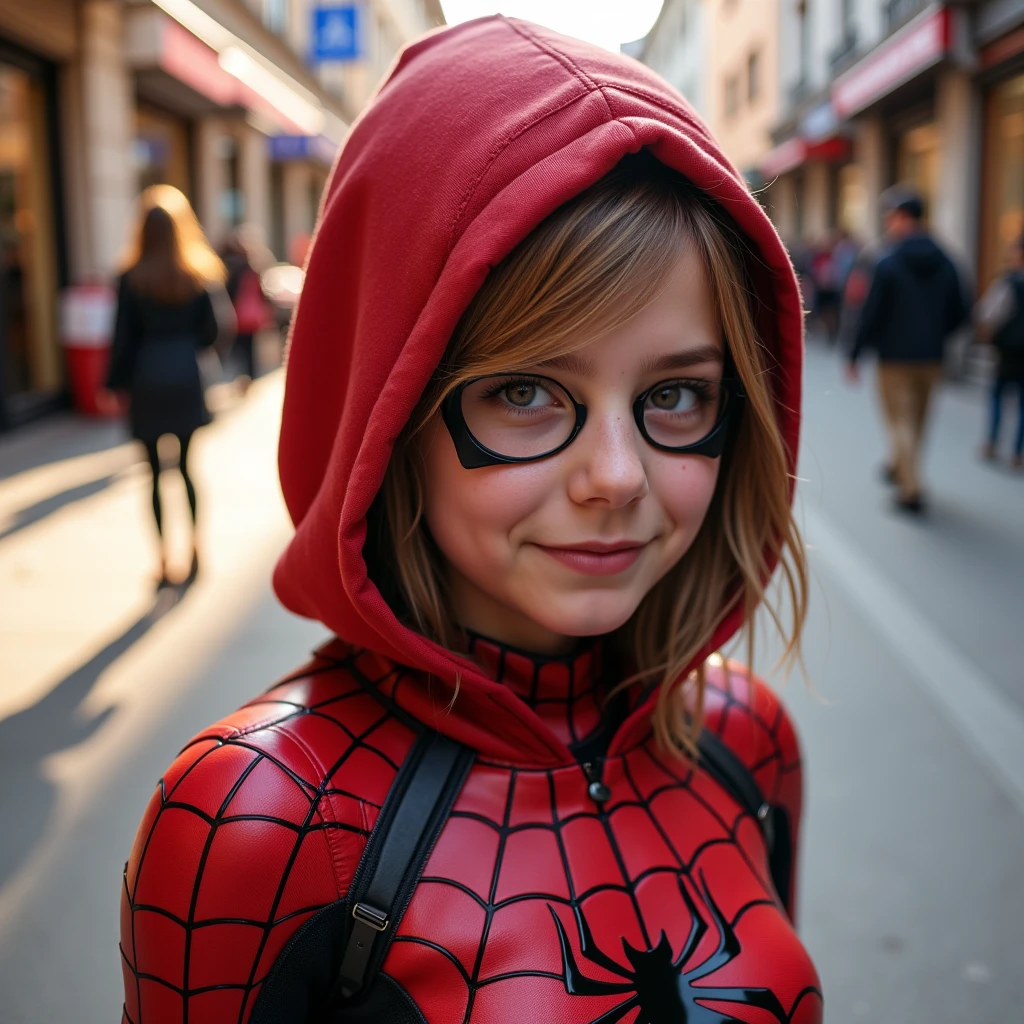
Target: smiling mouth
597	559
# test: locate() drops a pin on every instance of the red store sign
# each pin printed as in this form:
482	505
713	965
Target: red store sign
915	48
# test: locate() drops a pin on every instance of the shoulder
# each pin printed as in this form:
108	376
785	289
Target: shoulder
259	822
745	712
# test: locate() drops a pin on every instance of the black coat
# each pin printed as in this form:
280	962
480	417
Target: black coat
153	358
916	301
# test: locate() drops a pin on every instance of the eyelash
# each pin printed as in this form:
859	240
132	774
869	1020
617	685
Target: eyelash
496	389
704	389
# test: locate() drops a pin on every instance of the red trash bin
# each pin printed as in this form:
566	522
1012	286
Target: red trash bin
87	327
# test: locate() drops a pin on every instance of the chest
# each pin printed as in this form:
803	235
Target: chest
655	906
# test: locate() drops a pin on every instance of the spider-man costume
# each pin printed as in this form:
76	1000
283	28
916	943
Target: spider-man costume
582	875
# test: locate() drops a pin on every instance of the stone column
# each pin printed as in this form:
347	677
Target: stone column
211	178
107	105
782	196
297	202
254	177
870	155
956	213
816	201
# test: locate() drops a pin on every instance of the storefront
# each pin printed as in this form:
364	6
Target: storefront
31	260
895	91
1002	179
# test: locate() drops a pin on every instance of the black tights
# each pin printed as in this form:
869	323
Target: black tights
154	464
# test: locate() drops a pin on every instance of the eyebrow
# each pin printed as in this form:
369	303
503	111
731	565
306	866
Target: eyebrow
575	364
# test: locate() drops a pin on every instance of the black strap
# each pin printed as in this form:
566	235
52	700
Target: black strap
729	771
410	821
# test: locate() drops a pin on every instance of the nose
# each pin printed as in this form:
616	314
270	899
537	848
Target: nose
609	468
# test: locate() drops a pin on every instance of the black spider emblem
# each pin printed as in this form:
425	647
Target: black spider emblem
657	984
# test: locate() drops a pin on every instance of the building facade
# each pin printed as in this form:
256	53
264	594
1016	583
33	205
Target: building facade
675	48
100	98
877	92
723	56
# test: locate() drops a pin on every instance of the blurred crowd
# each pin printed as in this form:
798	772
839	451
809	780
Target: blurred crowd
904	298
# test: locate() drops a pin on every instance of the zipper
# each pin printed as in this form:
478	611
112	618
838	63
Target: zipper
596	789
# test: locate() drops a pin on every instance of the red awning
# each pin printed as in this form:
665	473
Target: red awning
913	49
792	153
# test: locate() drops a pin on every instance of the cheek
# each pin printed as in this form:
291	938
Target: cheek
684	487
472	513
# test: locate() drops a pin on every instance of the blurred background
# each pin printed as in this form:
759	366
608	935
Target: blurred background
913	723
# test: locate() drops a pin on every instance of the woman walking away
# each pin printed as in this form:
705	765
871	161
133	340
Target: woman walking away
164	316
1000	320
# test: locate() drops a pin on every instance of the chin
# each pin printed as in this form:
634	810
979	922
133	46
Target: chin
583	615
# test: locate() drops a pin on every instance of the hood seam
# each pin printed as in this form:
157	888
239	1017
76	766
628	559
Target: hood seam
567	62
501	148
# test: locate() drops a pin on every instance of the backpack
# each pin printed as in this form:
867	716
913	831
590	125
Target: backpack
1010	337
250	305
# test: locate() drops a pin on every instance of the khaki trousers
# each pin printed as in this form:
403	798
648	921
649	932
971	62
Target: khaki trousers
905	390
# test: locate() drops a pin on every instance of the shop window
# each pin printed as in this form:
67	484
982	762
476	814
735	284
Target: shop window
1003	176
161	149
30	361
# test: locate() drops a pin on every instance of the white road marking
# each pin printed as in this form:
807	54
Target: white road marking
990	723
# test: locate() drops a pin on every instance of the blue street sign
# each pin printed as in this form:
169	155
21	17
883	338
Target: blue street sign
285	148
337	32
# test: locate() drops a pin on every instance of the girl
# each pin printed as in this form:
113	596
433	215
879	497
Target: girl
164	316
539	435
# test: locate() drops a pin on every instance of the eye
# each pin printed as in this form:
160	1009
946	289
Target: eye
523	393
675	397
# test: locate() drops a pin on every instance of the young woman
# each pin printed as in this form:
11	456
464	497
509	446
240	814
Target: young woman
539	436
164	316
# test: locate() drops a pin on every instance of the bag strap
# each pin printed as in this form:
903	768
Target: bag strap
731	773
412	818
405	832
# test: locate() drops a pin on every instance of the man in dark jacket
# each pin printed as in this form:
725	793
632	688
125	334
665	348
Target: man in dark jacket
915	302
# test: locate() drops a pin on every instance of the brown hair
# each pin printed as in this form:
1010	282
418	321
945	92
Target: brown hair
169	259
585	270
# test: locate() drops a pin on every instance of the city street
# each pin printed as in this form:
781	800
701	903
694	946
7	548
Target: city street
913	720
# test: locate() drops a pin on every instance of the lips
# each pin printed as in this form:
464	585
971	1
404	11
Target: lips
597	558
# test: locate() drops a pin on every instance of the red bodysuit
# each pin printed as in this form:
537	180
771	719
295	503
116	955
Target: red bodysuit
540	902
536	903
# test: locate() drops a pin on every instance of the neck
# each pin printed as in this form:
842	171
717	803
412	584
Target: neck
568	691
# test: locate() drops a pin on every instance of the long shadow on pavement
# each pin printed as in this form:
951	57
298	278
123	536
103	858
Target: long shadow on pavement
32	514
55	723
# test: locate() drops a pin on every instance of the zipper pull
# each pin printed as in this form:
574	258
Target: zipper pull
597	790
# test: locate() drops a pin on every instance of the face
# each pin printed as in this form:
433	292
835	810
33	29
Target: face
543	552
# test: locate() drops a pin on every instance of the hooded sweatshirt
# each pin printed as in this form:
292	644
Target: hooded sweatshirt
915	302
539	901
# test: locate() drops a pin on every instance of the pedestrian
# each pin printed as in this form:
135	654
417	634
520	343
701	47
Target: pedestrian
245	261
539	436
916	300
826	290
165	316
1000	321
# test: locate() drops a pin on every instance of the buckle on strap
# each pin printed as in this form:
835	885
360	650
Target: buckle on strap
376	919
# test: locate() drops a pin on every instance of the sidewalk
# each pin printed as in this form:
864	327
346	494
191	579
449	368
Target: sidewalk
102	681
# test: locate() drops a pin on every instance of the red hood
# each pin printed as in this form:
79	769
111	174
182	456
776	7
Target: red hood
479	133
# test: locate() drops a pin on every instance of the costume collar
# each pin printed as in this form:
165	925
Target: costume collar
566	691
